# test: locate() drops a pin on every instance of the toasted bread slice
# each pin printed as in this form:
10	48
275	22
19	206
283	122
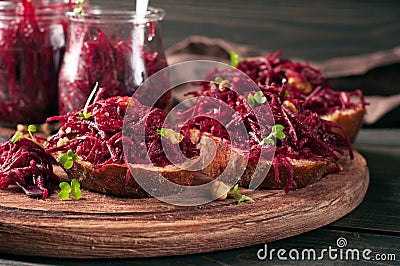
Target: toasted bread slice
305	171
216	156
349	119
111	179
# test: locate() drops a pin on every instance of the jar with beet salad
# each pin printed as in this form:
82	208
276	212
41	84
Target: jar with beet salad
116	49
32	45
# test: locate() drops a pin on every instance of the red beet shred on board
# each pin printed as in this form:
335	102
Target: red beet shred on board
26	164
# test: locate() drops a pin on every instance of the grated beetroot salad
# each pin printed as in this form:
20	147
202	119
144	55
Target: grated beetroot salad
307	135
93	56
301	81
99	138
26	164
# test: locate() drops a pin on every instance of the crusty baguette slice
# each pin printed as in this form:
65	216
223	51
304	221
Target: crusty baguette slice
350	119
111	179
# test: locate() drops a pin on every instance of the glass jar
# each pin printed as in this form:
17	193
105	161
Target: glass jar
32	44
114	48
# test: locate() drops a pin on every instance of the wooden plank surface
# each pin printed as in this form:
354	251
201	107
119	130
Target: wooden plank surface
102	227
383	193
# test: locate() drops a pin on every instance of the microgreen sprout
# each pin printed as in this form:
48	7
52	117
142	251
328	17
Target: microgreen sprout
32	129
257	97
217	80
240	197
234	59
79	9
276	132
66	189
16	137
171	135
68	159
162	132
85	114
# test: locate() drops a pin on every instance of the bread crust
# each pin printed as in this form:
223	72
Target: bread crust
111	179
350	120
305	171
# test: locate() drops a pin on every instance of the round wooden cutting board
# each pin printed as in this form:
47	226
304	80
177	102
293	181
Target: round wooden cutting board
99	226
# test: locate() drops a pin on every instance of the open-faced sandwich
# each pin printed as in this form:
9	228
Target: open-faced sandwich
306	146
289	138
301	81
96	136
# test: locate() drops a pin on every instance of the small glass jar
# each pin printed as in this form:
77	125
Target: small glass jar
32	44
116	49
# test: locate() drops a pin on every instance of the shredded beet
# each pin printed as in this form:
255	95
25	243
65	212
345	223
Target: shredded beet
99	139
30	39
301	81
307	135
106	61
274	69
26	164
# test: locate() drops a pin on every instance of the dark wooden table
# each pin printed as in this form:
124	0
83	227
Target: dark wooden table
374	225
316	30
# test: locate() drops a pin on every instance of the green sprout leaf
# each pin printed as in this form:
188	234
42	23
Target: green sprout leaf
63	195
16	137
162	132
257	97
242	198
251	100
74	157
239	197
63	158
82	116
76	189
68	159
66	189
218	80
235	193
267	141
276	132
234	59
280	135
32	128
79	9
173	136
68	164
